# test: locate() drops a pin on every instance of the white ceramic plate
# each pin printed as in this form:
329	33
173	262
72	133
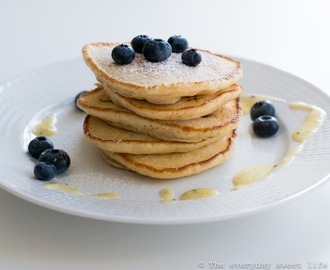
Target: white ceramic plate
32	96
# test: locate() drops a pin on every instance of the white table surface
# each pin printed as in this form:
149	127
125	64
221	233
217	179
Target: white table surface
290	35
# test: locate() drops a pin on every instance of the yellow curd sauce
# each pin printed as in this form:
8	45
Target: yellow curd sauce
63	188
46	127
167	195
199	193
247	101
102	196
106	195
311	123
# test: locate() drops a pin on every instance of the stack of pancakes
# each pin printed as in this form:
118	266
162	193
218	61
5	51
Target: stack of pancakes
163	120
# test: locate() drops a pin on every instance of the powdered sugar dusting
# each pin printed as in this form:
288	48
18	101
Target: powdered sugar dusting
168	72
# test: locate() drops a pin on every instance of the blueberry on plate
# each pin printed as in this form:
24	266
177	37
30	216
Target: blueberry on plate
76	98
178	43
38	145
45	171
123	54
156	50
138	42
59	158
260	108
191	57
265	126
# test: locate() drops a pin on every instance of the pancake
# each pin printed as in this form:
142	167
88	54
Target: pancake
216	124
175	165
186	108
162	82
109	138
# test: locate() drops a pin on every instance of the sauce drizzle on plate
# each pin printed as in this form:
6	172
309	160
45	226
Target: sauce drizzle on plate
311	124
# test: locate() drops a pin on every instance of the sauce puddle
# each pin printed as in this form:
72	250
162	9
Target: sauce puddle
168	195
63	188
106	195
46	127
199	193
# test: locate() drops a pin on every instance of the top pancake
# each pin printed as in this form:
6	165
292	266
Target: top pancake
162	82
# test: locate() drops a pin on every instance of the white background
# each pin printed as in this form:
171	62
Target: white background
290	35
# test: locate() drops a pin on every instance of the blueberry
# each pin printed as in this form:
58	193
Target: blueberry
59	158
157	50
44	171
191	57
178	43
38	145
76	98
138	42
260	108
123	54
265	126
